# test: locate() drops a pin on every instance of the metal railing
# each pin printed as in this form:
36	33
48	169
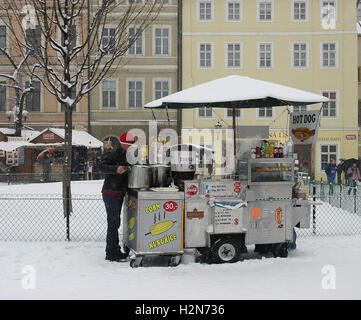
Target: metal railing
41	217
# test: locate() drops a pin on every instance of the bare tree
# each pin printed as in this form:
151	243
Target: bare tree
72	52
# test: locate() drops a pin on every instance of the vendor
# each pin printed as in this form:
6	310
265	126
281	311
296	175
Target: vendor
113	165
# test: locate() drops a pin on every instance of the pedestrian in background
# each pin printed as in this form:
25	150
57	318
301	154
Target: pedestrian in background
339	171
46	162
331	170
353	174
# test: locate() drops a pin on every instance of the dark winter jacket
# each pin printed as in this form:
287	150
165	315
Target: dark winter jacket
331	172
46	163
115	184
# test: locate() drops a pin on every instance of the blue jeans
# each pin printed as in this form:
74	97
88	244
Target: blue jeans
113	207
46	176
292	245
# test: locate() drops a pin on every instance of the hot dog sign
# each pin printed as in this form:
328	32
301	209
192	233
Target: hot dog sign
304	126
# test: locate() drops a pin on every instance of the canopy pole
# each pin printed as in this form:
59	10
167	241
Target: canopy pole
234	103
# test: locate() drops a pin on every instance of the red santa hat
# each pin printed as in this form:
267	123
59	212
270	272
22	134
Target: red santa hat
127	138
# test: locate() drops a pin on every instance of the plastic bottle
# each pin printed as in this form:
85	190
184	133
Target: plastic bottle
262	150
290	148
267	150
272	150
258	152
285	149
280	151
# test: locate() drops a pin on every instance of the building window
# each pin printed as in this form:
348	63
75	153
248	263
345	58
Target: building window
328	152
72	36
2	96
108	40
300	108
161	89
234	11
300	55
162	1
205	10
299	10
265	55
72	96
329	109
329	55
2	38
136	47
205	55
33	40
135	94
32	100
161	41
265	113
265	10
229	113
329	10
234	55
109	93
205	113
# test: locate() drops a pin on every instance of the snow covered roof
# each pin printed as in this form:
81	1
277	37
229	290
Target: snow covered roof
28	134
245	91
79	138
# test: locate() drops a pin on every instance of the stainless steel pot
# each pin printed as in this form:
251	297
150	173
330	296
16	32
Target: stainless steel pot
160	175
139	177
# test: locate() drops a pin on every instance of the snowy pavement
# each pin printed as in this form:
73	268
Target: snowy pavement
320	268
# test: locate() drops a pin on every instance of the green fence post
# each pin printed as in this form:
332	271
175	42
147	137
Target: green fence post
67	212
314	209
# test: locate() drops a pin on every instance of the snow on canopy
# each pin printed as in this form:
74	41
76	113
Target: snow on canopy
247	92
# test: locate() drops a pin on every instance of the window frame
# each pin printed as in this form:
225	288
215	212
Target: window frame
240	117
337	105
134	44
226	55
6	38
169	40
258	117
293	54
198	11
198	117
335	42
293	11
116	95
336	9
199	55
227	11
320	145
128	80
259	2
169	80
259	55
41	107
4	89
101	36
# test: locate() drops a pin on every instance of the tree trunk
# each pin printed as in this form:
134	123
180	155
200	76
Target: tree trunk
67	162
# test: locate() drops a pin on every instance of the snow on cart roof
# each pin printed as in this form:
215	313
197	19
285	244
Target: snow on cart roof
245	91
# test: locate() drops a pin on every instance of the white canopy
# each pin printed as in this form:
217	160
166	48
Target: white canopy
243	92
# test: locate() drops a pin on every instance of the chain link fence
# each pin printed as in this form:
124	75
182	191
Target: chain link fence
41	217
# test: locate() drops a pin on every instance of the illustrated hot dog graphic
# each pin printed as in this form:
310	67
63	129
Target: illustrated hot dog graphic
303	133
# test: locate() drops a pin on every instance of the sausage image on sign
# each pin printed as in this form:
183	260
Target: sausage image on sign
303	133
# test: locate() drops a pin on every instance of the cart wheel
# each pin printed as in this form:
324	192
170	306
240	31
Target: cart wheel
280	250
225	250
174	261
137	262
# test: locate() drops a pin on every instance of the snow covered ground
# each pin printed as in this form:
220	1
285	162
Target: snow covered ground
65	270
320	267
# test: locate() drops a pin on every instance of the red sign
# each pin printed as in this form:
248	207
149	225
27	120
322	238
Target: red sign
237	184
48	136
192	190
237	190
350	137
170	206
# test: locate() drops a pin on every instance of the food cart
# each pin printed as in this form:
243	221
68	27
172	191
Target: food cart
220	217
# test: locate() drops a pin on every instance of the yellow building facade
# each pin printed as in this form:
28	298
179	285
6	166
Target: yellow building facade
305	44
